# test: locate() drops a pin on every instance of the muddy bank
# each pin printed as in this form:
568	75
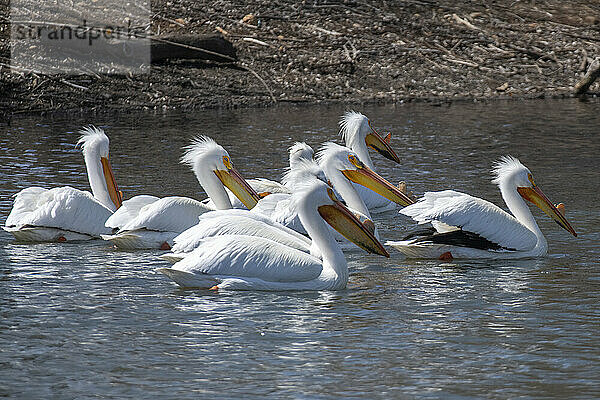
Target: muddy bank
351	51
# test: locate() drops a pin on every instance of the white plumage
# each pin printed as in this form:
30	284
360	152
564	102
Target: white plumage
472	214
234	222
256	263
65	213
251	257
152	222
508	236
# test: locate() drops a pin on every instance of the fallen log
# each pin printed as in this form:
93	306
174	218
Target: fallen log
192	47
590	76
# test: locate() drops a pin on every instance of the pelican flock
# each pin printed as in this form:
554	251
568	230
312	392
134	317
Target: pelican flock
262	234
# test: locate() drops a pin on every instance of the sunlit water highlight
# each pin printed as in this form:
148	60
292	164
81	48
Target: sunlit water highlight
85	320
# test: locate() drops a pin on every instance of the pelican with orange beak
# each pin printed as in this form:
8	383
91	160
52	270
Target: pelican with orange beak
149	222
240	262
64	213
469	227
359	135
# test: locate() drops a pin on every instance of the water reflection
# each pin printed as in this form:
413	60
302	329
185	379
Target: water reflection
85	320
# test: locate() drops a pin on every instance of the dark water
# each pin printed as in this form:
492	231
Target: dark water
85	320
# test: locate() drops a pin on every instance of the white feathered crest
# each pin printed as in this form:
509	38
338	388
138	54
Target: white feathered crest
350	123
90	134
305	169
200	145
303	148
327	150
507	165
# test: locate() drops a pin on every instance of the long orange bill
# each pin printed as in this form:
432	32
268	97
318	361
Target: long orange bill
537	197
342	220
381	145
111	184
238	185
368	178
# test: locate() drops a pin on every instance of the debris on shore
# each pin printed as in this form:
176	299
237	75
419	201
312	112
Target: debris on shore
349	51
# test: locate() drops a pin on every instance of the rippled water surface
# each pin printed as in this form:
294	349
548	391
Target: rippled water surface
85	320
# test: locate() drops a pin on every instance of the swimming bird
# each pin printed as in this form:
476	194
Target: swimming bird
65	213
276	217
147	222
468	227
358	134
240	262
250	222
342	167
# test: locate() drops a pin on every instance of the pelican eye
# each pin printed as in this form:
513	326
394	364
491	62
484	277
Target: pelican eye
530	177
227	162
331	194
355	161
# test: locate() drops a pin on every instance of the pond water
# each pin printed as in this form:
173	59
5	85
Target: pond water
85	320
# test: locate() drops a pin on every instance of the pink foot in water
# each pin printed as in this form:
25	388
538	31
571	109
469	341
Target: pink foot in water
62	239
447	256
165	246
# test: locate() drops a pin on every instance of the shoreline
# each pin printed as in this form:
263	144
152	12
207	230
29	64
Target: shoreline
351	53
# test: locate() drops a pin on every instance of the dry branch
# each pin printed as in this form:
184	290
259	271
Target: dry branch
590	76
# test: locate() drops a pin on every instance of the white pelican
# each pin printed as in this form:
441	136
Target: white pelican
64	213
298	152
241	262
358	134
275	214
147	222
469	227
342	166
250	223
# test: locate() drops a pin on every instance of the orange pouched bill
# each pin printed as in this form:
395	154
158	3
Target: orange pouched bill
536	196
342	220
111	184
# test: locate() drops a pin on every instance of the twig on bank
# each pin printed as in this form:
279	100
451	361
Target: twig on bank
236	35
263	82
332	33
455	61
590	76
38	74
464	22
256	41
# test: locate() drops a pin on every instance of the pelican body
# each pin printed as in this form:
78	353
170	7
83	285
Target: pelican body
468	227
260	221
240	262
65	213
147	222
